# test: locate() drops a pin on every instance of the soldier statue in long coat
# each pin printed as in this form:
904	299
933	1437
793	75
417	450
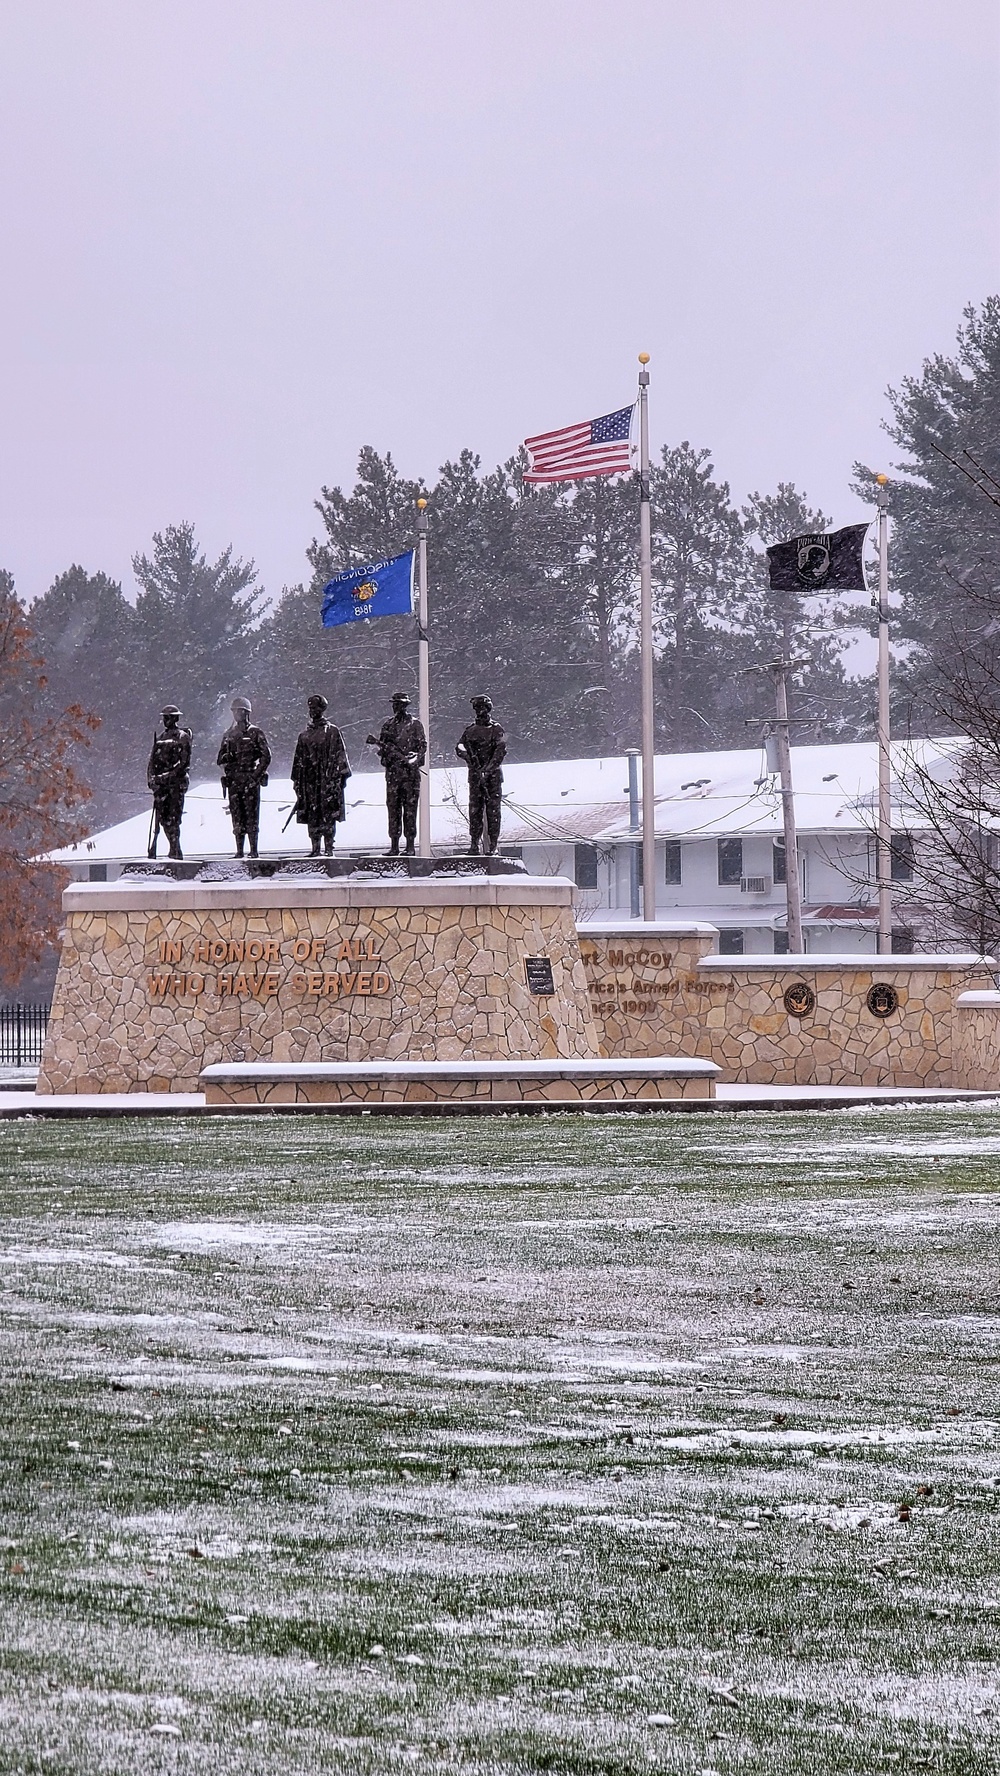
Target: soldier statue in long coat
402	749
167	775
244	757
482	748
320	769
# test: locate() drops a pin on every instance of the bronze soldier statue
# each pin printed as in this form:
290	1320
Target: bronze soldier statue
167	775
402	749
320	769
482	747
244	757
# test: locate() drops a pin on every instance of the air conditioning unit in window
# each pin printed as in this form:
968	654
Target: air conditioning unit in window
755	885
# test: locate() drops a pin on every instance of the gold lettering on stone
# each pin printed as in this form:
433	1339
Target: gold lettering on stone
175	986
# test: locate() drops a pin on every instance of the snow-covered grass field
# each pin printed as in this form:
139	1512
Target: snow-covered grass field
592	1445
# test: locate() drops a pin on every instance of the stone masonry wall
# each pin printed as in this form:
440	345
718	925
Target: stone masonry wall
641	979
506	1091
154	984
732	1010
977	1043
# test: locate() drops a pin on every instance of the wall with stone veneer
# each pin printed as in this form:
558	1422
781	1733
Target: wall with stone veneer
495	1091
642	980
455	953
730	1009
977	1041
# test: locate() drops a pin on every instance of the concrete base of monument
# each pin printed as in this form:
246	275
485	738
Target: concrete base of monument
567	1082
442	866
160	977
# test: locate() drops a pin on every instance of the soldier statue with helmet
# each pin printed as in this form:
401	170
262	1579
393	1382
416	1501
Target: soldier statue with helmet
482	748
244	756
168	776
402	751
320	769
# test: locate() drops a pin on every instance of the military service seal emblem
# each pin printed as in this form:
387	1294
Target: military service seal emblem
799	999
883	1000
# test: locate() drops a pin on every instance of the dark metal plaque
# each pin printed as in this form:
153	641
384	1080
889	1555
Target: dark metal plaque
799	999
883	1000
538	974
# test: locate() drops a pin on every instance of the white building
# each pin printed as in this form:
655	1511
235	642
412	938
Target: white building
720	851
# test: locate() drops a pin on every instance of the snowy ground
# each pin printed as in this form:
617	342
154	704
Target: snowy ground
573	1444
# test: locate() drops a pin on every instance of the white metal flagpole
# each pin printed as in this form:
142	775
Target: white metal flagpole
423	681
884	839
646	652
793	883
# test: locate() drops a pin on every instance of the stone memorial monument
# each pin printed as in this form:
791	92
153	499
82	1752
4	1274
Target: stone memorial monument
322	980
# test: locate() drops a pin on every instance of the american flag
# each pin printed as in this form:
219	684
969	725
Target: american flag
594	447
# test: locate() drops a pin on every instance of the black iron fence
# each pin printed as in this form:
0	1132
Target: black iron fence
22	1034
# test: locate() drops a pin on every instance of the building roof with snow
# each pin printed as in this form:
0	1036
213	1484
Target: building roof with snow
698	795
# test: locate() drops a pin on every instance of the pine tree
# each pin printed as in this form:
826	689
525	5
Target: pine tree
194	626
945	547
584	538
534	600
86	631
706	602
41	791
791	625
504	614
506	620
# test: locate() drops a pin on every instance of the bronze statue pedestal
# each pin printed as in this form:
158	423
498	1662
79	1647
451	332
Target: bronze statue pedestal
167	971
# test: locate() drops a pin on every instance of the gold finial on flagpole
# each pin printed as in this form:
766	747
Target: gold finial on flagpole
644	357
421	503
883	480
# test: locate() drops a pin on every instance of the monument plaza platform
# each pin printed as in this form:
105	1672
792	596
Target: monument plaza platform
465	982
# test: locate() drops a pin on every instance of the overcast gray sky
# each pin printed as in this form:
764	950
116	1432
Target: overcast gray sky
244	237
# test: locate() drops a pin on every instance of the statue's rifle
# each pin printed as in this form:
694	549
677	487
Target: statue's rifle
154	820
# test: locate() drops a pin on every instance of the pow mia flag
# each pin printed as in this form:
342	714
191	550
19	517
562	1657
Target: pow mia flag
823	561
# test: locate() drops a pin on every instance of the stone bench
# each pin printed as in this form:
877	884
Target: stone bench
655	1079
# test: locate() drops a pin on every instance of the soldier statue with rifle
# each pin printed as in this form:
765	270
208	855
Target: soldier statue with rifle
402	750
244	757
167	775
482	748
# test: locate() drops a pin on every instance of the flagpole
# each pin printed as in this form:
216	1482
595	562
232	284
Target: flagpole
423	682
884	840
646	653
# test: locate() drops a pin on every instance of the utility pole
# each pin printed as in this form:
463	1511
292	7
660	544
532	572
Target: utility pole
883	841
646	652
423	681
793	881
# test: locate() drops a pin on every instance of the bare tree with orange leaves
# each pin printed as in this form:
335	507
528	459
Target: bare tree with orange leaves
41	792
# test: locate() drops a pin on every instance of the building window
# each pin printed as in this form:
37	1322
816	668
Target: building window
730	942
98	872
512	851
730	863
672	863
902	941
585	866
778	871
901	853
781	944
